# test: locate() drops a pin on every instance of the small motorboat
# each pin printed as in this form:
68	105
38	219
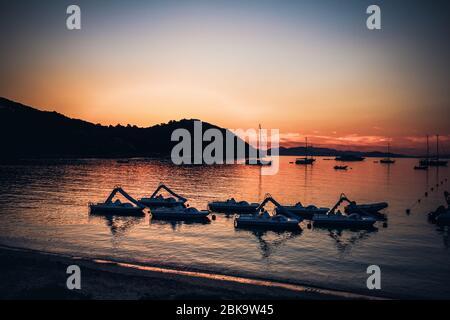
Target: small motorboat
349	157
343	221
179	213
340	167
266	221
155	200
305	212
231	205
123	161
117	207
369	207
304	160
420	167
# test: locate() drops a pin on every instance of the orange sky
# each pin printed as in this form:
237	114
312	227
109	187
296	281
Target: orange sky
235	66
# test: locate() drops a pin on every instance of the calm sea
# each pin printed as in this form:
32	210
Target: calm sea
43	206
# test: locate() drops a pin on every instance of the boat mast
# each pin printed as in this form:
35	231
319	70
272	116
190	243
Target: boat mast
428	149
437	147
306	147
388	155
258	143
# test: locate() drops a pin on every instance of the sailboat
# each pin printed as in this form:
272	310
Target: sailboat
258	161
306	159
436	162
387	160
423	164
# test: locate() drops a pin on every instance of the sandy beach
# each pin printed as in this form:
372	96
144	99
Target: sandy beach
27	274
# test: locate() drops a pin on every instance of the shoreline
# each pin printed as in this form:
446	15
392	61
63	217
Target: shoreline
25	160
36	275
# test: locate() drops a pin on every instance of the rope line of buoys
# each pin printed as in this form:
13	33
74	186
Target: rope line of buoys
412	206
419	200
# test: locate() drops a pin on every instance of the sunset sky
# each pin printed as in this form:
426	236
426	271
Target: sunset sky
304	67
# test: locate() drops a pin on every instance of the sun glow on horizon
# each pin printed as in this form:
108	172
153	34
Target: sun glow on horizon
305	69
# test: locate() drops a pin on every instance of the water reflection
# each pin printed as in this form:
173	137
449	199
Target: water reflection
270	241
119	225
48	200
176	224
445	235
388	175
345	239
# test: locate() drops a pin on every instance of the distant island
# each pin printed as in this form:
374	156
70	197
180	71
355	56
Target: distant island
31	133
329	152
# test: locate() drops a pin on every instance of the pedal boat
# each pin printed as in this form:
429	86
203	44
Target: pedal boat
343	221
369	207
266	221
305	212
179	213
117	207
231	205
156	201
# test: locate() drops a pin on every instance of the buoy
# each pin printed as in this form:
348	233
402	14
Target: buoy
408	211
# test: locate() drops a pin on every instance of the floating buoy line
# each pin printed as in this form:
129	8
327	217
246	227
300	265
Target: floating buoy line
426	193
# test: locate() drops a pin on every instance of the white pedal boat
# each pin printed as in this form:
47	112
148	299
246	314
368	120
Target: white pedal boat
155	200
231	205
117	207
343	221
369	207
266	221
178	213
306	212
160	201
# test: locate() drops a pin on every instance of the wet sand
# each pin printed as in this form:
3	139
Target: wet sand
27	274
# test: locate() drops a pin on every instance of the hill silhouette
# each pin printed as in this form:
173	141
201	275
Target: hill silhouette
30	133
